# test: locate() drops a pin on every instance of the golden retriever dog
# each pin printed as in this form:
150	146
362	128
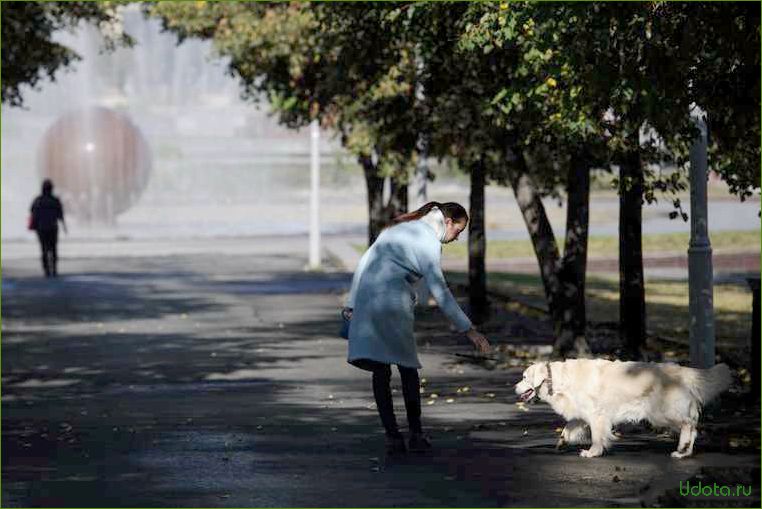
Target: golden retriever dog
595	394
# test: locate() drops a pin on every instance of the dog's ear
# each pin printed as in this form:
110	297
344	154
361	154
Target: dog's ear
536	374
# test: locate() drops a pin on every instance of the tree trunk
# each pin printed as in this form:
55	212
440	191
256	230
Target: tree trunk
398	201
375	186
632	305
477	248
543	240
574	263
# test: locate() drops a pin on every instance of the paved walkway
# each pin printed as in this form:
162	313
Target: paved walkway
213	377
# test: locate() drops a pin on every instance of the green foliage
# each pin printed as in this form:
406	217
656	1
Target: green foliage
485	81
599	72
30	54
308	61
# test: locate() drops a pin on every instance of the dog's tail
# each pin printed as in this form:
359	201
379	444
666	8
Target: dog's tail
707	384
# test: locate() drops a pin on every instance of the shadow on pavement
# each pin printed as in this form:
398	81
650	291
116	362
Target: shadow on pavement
189	382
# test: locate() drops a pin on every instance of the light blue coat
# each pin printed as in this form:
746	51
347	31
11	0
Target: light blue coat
382	294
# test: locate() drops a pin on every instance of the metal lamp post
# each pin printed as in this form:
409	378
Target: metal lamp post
314	260
700	275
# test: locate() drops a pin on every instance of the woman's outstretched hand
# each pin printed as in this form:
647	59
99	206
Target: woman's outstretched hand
479	341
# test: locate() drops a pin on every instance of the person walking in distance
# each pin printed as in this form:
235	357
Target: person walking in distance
380	310
46	212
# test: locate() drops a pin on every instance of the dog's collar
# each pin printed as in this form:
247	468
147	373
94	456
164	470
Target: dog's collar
549	379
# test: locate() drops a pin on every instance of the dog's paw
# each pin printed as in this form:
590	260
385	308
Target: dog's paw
591	453
679	455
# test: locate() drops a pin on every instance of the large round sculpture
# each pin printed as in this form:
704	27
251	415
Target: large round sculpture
98	161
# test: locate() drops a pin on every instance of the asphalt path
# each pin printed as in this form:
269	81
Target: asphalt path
217	380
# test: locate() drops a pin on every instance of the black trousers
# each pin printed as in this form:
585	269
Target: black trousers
49	244
382	392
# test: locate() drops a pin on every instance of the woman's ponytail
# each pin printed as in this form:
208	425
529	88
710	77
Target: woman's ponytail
416	214
451	210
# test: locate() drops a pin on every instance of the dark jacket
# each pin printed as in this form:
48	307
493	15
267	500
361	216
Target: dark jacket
46	212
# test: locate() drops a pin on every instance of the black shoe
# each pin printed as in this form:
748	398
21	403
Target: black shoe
395	446
419	443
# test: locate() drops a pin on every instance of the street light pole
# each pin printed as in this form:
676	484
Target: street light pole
700	274
314	261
